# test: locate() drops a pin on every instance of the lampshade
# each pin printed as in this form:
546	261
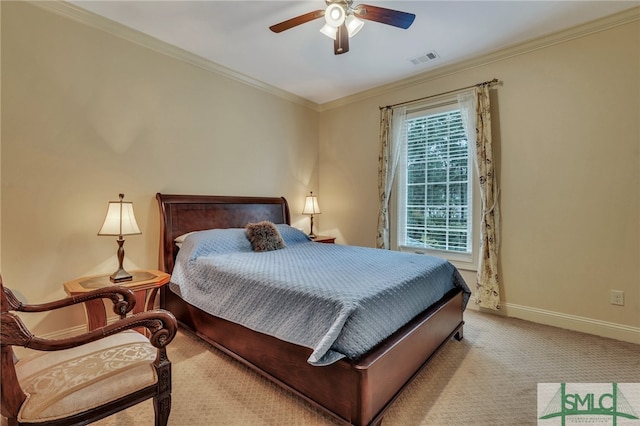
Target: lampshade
334	14
311	205
353	25
329	31
120	219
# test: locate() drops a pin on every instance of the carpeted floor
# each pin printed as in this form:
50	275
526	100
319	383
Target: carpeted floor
489	378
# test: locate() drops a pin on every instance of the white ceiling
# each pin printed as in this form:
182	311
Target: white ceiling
236	34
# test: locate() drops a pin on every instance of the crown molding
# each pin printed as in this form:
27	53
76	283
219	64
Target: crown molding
93	20
602	24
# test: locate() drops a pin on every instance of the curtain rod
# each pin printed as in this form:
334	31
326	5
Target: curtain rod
489	83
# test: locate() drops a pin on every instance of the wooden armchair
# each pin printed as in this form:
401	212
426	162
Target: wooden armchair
87	377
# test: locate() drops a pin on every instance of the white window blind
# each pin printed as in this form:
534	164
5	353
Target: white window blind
436	190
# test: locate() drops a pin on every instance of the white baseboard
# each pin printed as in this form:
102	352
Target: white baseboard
611	330
72	331
82	328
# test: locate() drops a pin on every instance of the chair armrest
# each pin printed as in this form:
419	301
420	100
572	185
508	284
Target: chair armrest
161	324
123	300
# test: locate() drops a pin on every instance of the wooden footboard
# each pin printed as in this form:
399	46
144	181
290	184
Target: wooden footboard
354	392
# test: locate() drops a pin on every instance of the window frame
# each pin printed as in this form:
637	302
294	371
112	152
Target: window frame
462	260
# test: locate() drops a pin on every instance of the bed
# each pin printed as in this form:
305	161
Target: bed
354	389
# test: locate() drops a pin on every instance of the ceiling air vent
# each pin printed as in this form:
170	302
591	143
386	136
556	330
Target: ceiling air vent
427	57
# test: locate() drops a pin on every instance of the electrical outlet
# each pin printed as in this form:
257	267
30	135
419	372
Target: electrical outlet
616	297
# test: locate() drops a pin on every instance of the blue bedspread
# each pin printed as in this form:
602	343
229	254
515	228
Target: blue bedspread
338	300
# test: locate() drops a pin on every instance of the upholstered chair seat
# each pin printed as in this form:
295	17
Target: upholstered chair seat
68	382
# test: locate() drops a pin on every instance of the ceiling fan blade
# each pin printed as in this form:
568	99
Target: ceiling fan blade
298	20
341	43
386	16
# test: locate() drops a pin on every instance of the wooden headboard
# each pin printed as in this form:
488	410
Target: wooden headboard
180	214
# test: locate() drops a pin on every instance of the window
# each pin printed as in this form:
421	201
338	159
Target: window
435	186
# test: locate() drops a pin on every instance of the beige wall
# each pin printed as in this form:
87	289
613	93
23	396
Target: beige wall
86	115
567	138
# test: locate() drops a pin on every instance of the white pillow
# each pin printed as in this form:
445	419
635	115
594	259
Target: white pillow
180	239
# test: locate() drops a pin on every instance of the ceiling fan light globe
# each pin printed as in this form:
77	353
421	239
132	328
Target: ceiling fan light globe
353	25
329	31
334	15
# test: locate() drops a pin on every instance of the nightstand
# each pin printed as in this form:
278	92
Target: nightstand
145	285
324	239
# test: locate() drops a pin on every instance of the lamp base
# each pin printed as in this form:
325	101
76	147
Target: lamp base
120	276
311	234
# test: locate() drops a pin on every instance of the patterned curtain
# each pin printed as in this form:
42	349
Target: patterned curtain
487	293
392	125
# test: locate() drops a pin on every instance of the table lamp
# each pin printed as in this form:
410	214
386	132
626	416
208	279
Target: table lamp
311	207
120	221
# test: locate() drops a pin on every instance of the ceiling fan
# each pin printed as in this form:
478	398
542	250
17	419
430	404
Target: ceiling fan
343	20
